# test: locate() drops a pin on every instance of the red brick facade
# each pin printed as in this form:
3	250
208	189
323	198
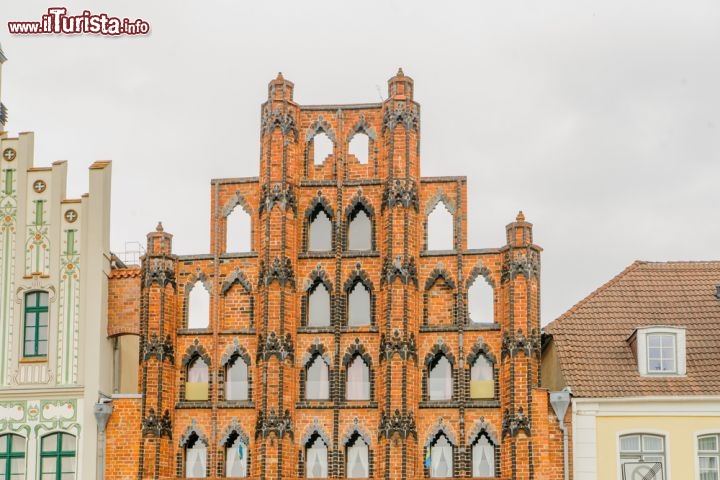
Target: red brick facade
259	309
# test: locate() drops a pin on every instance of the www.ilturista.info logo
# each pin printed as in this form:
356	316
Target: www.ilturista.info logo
58	22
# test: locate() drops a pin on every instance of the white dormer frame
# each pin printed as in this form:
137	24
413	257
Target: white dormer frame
641	335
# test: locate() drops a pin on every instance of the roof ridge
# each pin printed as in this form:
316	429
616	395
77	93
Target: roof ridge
596	292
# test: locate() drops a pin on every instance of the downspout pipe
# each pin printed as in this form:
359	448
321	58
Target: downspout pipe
102	412
560	402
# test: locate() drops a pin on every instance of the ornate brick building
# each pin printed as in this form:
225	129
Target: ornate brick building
342	343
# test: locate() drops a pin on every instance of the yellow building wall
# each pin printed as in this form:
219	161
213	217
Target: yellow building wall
680	441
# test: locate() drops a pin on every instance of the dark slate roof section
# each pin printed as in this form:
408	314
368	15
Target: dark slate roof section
591	337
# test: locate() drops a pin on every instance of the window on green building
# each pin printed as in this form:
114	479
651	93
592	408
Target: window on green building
57	457
12	457
36	325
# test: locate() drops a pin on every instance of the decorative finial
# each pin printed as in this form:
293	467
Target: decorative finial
520	217
280	76
399	72
159	227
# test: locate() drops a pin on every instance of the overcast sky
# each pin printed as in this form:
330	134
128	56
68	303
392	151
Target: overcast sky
600	120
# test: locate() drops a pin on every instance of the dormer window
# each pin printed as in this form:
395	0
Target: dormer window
659	351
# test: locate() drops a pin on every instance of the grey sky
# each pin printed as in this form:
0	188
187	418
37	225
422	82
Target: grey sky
600	120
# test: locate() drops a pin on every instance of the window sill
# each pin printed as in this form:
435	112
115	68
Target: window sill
477	403
194	331
482	326
438	328
438	253
307	329
360	253
311	255
185	404
321	404
359	329
244	331
231	255
33	360
236	404
439	404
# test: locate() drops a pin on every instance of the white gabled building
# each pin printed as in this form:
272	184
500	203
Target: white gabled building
55	358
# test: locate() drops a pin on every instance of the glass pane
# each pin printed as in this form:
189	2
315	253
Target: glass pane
481	370
320	235
198	372
652	444
4	441
17	466
357	460
440	380
43	333
654	341
196	461
42	348
441	459
236	387
317	385
319	307
43	318
655	365
483	458
29	334
358	380
316	455
708	443
236	459
359	306
668	365
668	341
67	464
49	443
18	443
360	232
630	443
49	464
42	299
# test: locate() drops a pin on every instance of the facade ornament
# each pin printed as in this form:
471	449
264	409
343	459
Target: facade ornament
280	269
236	277
402	114
159	270
512	344
283	196
159	348
274	345
401	192
406	348
404	269
515	422
276	118
155	426
437	273
526	264
397	423
279	424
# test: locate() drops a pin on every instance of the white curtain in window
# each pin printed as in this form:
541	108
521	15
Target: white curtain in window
357	460
196	460
236	461
316	453
236	384
481	369
359	306
320	235
319	307
440	380
358	380
198	372
360	232
441	461
483	455
317	386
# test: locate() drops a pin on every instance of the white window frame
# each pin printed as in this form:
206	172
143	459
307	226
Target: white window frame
696	448
667	467
643	350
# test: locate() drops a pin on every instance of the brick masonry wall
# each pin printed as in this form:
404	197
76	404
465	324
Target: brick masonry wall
259	313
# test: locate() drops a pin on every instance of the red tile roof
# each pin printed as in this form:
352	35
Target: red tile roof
591	337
